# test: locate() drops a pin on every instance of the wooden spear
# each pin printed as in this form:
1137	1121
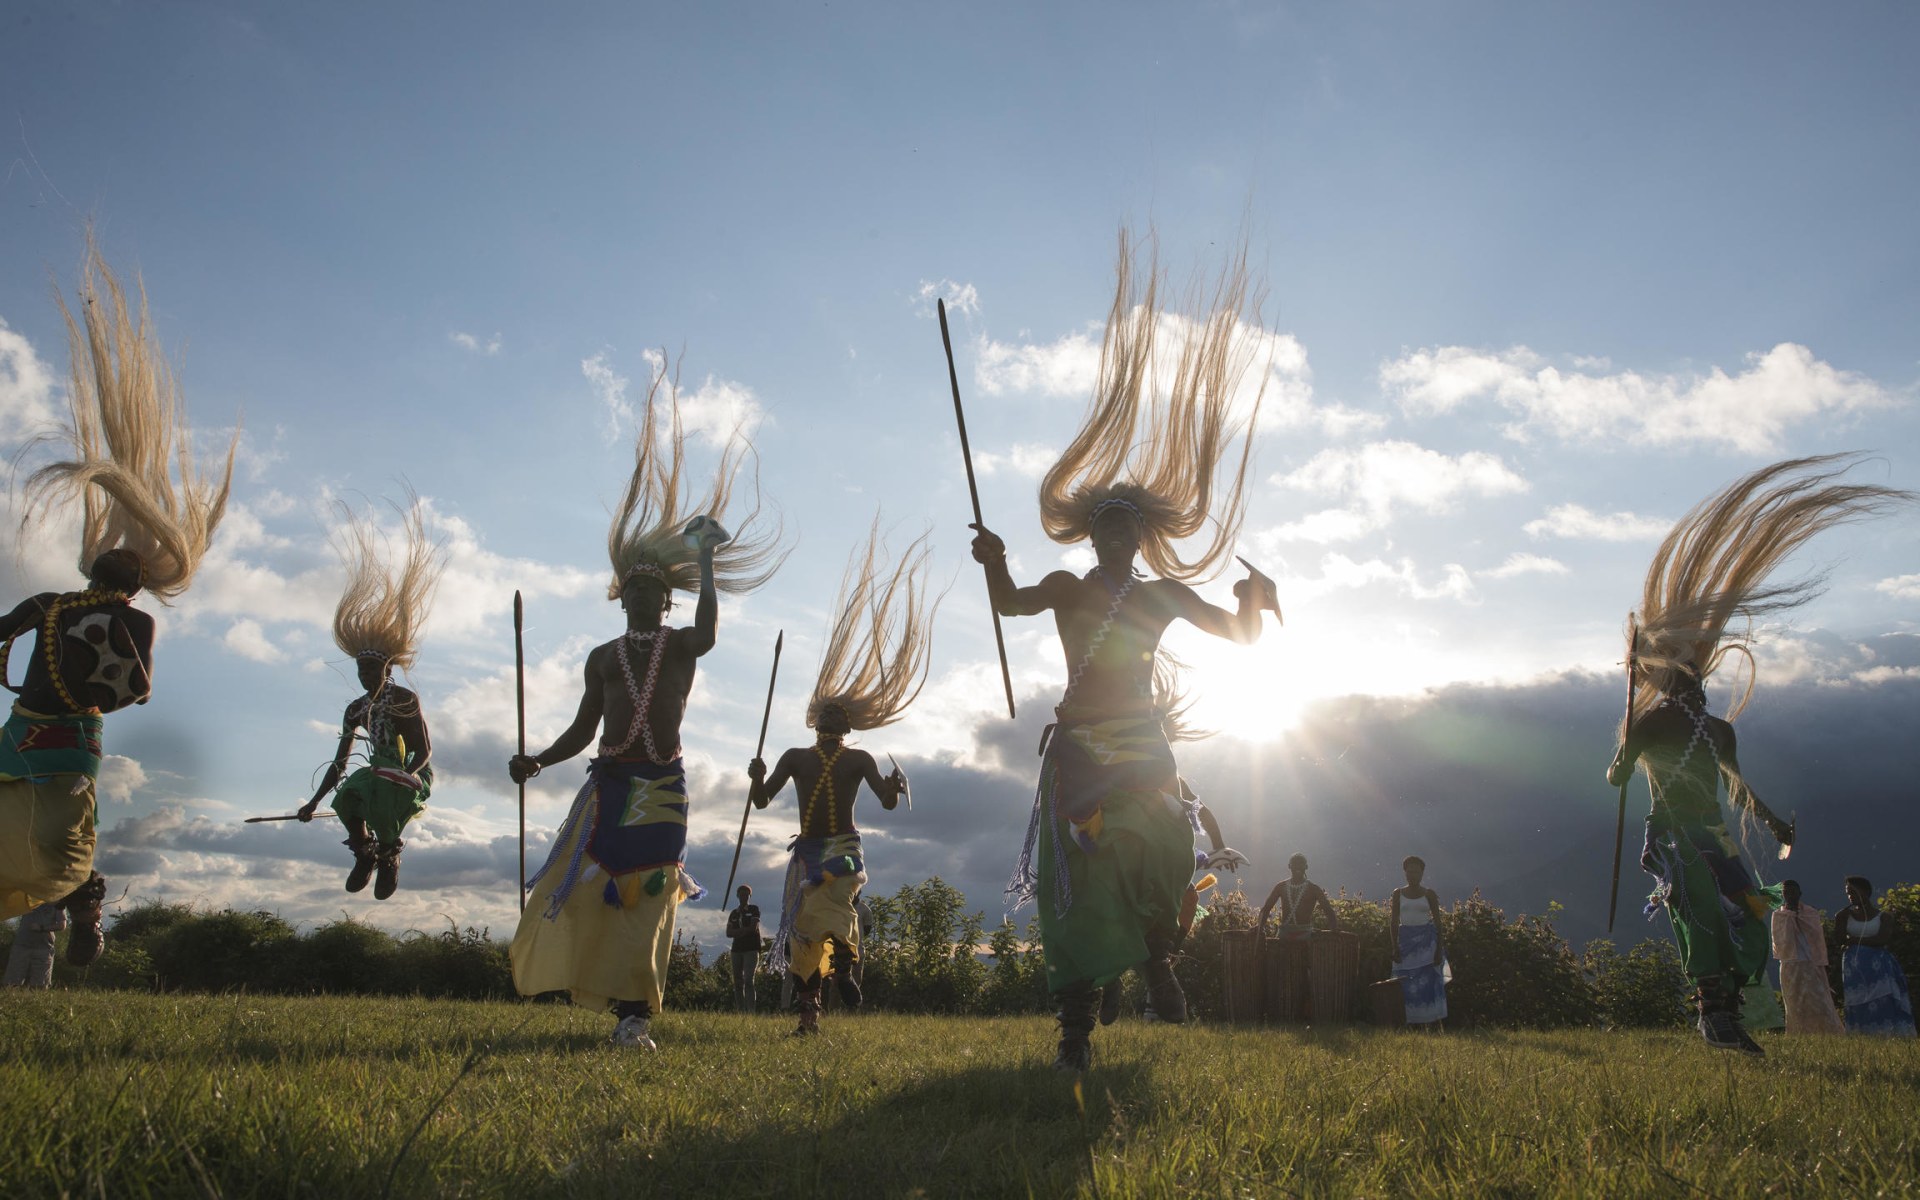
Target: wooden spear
973	490
1620	822
520	714
760	749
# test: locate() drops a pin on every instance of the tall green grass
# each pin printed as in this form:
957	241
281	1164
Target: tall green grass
129	1095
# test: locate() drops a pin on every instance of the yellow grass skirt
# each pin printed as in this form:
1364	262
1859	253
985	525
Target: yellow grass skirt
46	840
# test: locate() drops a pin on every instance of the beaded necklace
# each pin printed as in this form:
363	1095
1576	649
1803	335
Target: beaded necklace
50	640
1100	634
641	694
825	783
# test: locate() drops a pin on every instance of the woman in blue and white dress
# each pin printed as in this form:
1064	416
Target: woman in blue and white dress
1419	958
1874	985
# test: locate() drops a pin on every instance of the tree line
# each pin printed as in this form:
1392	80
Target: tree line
927	954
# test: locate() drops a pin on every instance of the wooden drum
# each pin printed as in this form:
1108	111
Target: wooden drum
1286	979
1244	986
1334	959
1388	1002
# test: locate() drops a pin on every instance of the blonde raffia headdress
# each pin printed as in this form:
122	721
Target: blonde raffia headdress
1712	568
881	642
645	537
128	436
385	604
1158	455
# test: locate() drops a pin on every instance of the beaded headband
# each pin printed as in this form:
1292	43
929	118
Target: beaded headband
651	570
380	654
1116	502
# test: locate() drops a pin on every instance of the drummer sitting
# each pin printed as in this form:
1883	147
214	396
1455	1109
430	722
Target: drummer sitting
1298	897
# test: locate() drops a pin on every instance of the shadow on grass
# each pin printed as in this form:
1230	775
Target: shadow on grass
988	1130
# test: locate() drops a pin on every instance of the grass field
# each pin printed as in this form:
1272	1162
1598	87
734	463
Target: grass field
116	1095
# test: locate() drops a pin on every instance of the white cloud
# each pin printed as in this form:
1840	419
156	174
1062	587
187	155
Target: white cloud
1027	459
26	388
611	389
1337	571
119	777
1379	478
248	640
1576	521
1324	527
1522	563
472	344
960	297
1065	367
1901	587
1748	412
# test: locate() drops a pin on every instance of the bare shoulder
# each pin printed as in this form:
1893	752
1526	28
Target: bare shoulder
857	757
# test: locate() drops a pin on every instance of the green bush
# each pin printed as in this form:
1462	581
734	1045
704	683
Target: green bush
1642	989
221	951
1514	974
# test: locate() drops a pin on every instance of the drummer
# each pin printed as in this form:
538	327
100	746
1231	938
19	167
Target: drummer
1298	898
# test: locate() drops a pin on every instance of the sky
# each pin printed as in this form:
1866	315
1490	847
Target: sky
1536	280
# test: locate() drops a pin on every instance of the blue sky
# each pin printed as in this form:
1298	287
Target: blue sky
1539	277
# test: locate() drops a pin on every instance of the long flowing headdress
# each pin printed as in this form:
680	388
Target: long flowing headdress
385	603
1171	701
1713	568
129	437
646	533
1159	455
881	643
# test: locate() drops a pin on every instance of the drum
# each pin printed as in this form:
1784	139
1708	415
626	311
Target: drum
1286	972
1334	966
1245	986
1387	1001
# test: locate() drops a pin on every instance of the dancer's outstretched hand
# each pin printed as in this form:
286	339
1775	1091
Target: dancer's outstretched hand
987	546
523	767
757	770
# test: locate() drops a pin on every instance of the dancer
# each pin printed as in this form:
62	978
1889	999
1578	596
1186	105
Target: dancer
1800	943
874	666
1109	847
1711	569
600	913
378	621
1299	899
1419	952
148	515
1871	981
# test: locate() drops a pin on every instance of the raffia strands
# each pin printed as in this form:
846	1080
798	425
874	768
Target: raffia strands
881	643
656	506
1713	567
132	466
1171	701
385	603
1163	452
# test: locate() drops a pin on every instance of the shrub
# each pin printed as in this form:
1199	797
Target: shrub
220	951
1644	988
1517	973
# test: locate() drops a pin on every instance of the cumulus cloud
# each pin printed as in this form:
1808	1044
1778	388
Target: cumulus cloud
610	388
1027	459
26	388
1577	521
474	345
960	297
1379	478
712	411
1338	572
119	778
1901	587
1522	563
245	638
1747	412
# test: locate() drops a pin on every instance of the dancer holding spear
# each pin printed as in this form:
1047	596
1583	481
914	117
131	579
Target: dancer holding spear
1711	570
600	913
1109	848
874	665
378	621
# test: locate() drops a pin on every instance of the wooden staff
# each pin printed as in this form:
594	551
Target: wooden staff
1626	729
760	749
520	714
973	490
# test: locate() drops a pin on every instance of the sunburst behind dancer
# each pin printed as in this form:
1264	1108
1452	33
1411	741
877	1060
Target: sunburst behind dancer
874	666
1109	848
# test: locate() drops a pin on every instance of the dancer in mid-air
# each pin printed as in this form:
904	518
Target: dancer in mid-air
600	913
378	621
874	664
148	516
1710	571
1109	848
